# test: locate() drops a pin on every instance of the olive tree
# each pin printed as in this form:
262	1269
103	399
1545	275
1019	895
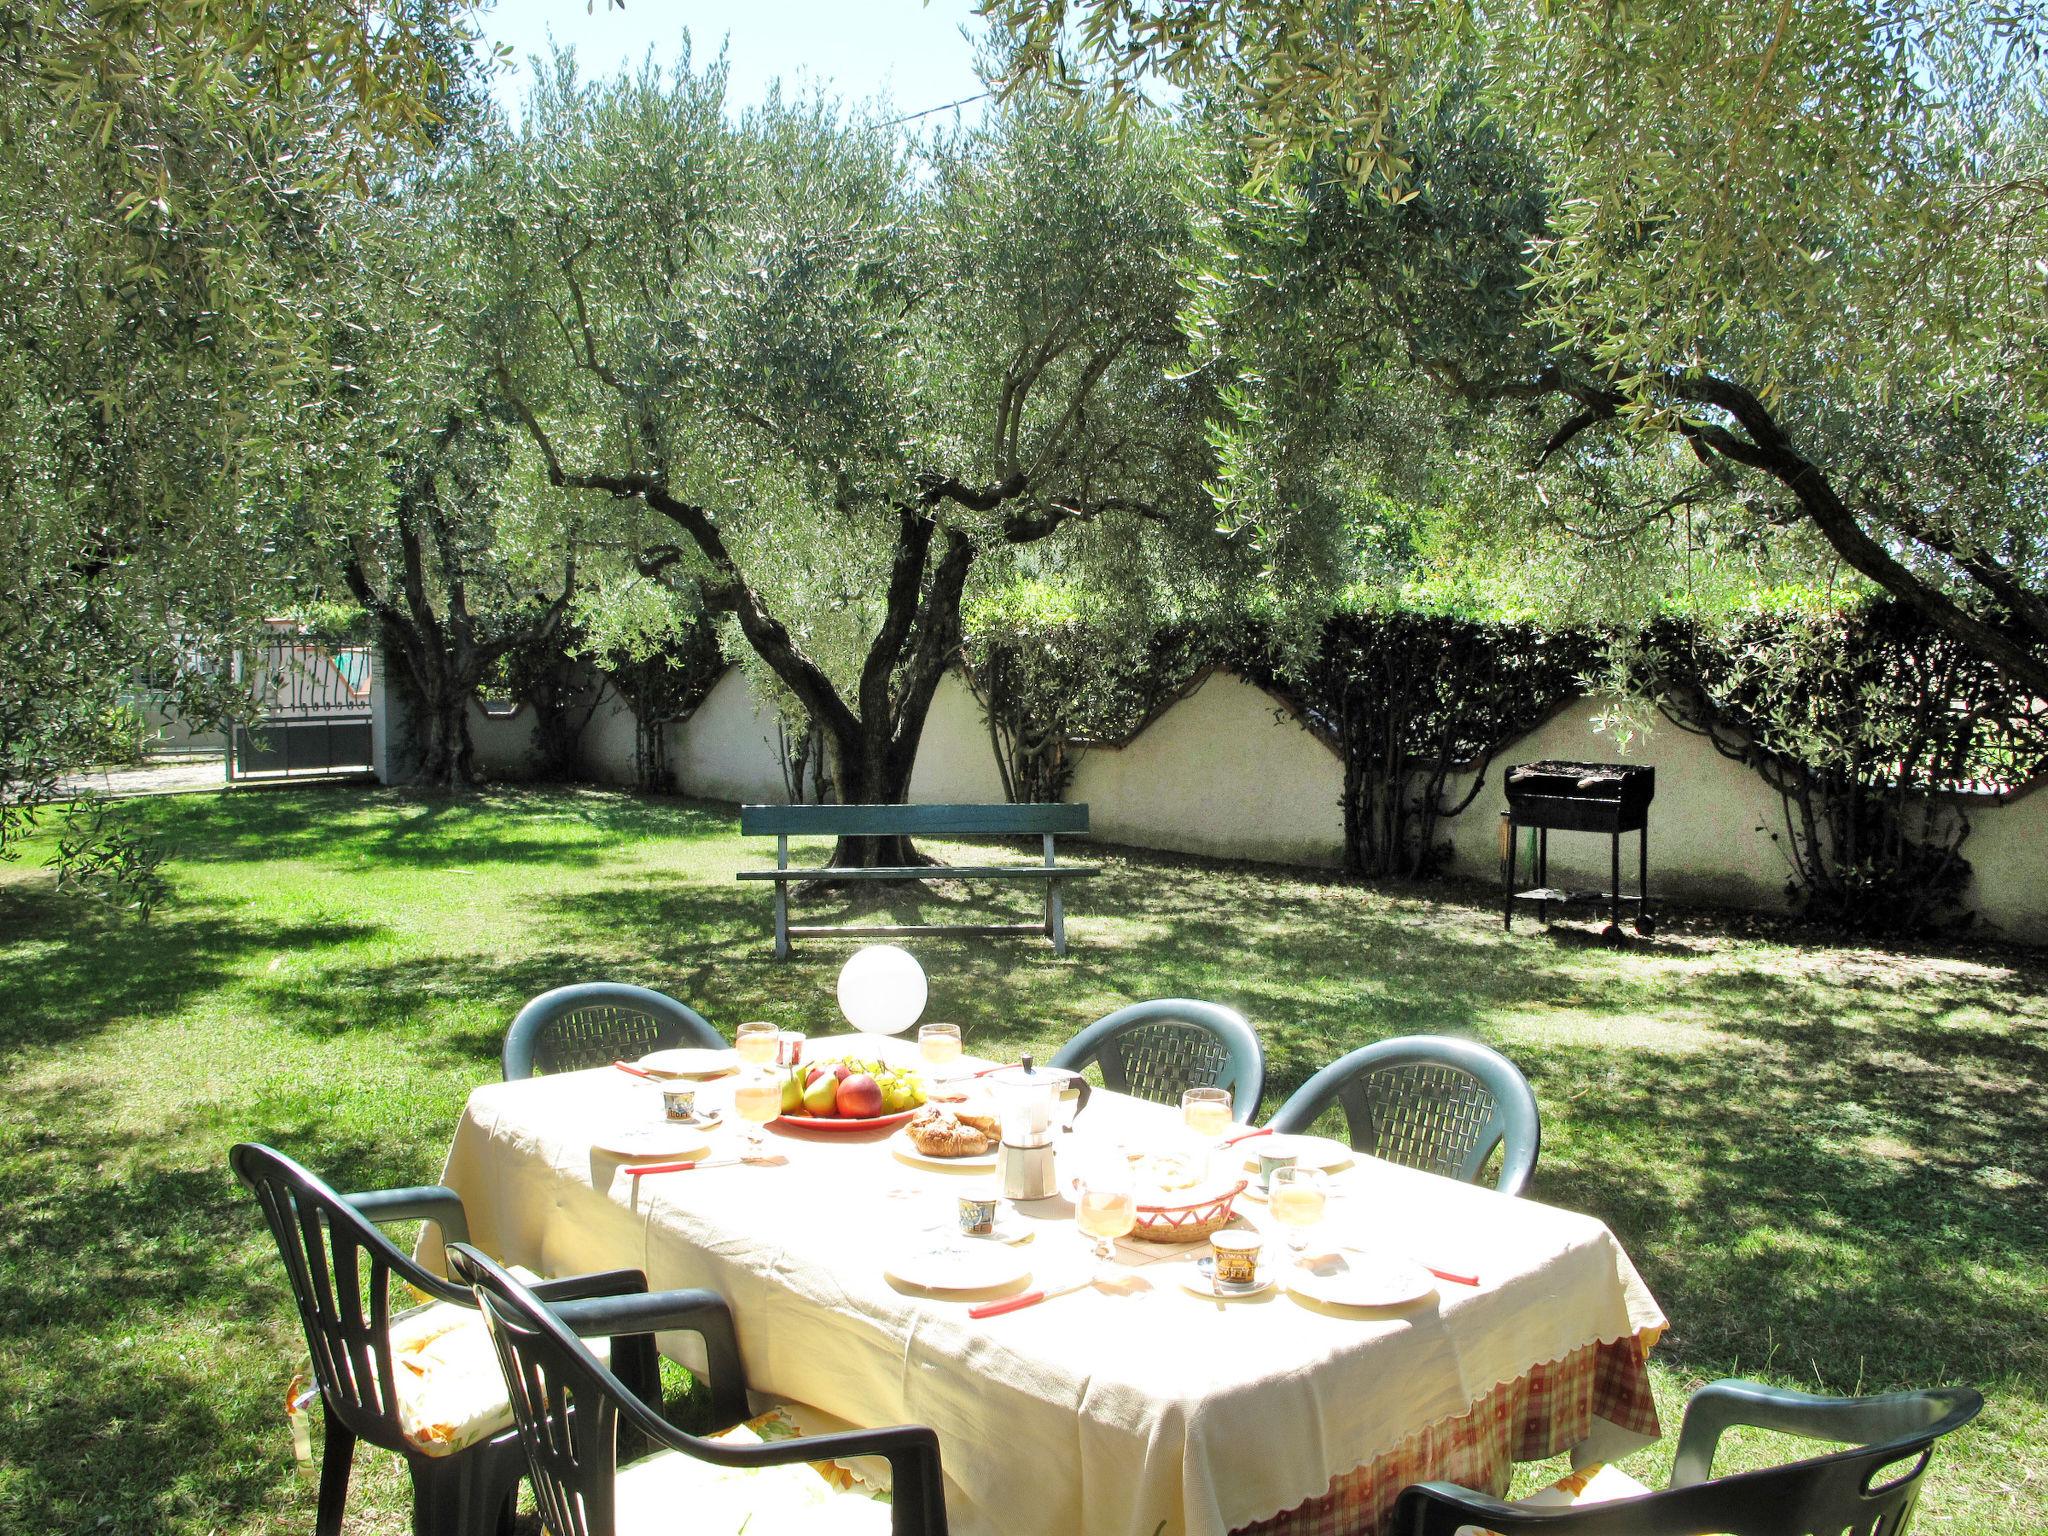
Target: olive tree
174	180
826	375
1800	247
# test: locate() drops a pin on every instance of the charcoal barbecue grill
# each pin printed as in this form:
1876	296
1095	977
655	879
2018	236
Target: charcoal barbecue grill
1556	796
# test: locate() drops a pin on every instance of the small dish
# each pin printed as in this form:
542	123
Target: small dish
658	1138
1321	1152
955	1263
1350	1278
1200	1277
690	1061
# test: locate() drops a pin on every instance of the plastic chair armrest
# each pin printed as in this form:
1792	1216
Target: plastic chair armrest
703	1313
1724	1405
423	1202
599	1282
1439	1508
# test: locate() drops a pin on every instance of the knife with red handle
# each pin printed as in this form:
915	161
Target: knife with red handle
1028	1299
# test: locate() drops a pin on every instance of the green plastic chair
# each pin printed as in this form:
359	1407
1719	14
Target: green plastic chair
1432	1102
595	1023
1869	1490
1159	1050
572	1454
340	1268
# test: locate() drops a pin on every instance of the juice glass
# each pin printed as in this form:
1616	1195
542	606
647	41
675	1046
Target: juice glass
757	1100
1206	1111
1105	1206
757	1043
1296	1197
939	1045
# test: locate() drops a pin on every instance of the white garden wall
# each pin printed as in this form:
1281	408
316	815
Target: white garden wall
1227	771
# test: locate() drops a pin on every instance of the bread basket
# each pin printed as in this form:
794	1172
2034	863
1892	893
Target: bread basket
1192	1217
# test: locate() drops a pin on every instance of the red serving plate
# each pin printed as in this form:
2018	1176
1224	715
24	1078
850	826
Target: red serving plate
842	1123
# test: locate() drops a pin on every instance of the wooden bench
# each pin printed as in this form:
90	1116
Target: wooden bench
782	822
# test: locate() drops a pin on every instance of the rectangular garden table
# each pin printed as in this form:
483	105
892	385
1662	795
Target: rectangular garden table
1105	1414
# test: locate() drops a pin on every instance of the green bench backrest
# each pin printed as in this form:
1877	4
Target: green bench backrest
910	820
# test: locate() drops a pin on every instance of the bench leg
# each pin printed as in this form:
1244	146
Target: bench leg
781	921
1055	917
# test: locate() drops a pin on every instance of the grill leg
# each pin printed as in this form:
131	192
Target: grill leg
1507	894
1614	878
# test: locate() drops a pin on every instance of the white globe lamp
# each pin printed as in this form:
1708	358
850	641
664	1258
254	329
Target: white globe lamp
882	990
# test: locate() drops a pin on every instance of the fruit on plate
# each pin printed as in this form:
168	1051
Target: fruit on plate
851	1089
821	1095
860	1096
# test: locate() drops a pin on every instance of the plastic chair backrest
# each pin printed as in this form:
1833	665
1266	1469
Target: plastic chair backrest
572	1456
1160	1049
1867	1490
1432	1102
593	1023
340	1268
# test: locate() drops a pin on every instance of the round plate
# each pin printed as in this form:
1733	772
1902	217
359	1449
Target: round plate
1349	1278
1309	1151
839	1123
690	1061
652	1138
957	1264
1200	1277
979	1162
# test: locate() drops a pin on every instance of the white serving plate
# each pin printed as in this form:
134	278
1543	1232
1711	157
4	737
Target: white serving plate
978	1162
956	1264
1349	1278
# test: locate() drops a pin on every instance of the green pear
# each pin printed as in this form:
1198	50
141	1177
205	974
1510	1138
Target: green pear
822	1096
793	1093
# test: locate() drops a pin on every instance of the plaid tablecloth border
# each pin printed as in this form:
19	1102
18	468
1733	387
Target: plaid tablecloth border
1533	1417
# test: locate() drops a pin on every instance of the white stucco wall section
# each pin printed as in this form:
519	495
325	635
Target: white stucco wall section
726	750
2008	853
956	763
1225	771
1710	825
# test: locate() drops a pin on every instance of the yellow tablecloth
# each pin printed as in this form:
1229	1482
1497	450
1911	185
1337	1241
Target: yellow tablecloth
1099	1414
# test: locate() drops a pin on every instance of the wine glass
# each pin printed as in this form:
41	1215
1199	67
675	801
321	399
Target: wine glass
939	1045
1296	1196
757	1042
757	1100
1106	1206
1206	1111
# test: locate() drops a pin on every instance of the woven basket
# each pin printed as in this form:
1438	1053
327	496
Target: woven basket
1192	1222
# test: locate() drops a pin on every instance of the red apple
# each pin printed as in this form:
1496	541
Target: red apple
860	1096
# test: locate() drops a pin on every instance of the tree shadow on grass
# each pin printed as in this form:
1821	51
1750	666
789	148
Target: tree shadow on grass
1787	1211
67	971
139	1271
351	825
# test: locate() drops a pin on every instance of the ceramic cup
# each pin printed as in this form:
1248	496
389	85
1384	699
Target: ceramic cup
1237	1259
789	1048
978	1213
679	1100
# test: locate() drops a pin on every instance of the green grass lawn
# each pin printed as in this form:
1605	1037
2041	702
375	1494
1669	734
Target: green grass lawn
1829	1162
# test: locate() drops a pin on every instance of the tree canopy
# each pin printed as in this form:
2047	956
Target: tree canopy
827	374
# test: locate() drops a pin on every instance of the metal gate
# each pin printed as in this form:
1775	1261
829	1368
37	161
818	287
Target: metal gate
313	705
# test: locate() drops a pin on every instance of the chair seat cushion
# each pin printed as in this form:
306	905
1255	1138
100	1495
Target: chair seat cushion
449	1390
654	1494
1594	1484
